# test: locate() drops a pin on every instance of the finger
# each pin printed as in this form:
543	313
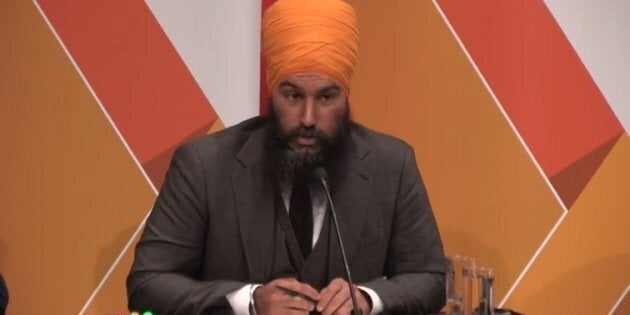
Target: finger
344	309
328	293
333	287
339	299
299	304
289	292
284	281
300	288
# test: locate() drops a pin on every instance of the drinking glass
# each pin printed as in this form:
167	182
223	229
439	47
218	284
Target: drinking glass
478	282
455	282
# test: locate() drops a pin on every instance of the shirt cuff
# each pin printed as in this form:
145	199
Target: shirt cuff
241	299
377	303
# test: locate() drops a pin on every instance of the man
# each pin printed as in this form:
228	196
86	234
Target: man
4	296
241	224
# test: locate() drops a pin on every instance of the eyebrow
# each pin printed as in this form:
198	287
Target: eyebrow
332	88
287	84
329	89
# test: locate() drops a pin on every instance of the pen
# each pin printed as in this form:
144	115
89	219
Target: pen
295	293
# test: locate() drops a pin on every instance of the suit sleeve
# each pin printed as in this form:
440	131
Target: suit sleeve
415	266
170	253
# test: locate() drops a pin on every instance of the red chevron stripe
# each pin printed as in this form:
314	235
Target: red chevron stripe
537	77
134	70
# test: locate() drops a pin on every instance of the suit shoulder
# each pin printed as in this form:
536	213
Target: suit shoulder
379	141
229	139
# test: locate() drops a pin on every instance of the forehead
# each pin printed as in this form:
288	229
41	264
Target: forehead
308	81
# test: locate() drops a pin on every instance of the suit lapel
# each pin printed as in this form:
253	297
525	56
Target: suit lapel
253	188
350	182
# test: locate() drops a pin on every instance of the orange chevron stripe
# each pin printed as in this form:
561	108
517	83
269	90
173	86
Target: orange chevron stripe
586	265
71	192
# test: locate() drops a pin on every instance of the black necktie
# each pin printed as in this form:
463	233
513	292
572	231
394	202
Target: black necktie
301	214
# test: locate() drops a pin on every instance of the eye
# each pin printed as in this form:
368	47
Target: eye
328	97
292	96
325	97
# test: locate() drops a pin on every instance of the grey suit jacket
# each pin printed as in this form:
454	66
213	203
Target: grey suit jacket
212	225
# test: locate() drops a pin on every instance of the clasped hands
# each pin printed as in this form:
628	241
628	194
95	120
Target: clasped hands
289	296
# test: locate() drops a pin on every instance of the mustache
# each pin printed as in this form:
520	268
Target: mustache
302	131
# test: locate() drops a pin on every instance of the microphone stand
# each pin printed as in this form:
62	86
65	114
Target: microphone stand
321	173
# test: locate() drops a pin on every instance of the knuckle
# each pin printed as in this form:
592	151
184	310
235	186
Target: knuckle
285	281
293	302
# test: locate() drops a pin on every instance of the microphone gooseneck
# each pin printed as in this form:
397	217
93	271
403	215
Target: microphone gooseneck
320	173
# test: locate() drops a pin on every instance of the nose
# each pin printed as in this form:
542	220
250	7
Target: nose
308	117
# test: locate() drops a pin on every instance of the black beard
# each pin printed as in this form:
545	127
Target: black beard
289	162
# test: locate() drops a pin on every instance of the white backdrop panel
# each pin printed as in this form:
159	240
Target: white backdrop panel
219	40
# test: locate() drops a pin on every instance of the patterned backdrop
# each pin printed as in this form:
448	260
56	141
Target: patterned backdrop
518	110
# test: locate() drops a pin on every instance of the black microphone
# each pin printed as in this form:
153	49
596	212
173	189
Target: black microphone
320	172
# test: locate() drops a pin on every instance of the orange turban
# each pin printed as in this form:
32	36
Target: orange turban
310	36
